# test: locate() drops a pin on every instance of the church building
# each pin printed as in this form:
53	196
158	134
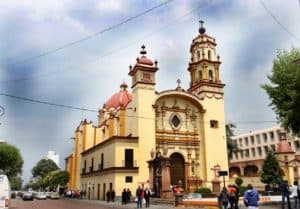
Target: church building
156	139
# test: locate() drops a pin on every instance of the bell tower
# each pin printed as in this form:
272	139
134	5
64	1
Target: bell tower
204	66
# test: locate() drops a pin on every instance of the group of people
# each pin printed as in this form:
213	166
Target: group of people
110	195
286	192
142	195
230	197
126	196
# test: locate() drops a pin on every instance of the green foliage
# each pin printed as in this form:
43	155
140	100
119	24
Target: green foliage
43	167
203	190
271	172
242	190
284	90
16	183
239	181
60	178
11	161
232	147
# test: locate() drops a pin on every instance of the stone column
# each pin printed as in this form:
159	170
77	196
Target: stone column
166	191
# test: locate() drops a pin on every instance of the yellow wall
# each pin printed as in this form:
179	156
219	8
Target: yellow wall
215	138
144	125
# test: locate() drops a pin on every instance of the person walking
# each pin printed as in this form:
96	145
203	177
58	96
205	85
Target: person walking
124	197
113	195
232	196
138	195
251	198
285	194
147	197
294	193
223	199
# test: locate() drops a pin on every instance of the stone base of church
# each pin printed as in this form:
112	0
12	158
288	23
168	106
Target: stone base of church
166	194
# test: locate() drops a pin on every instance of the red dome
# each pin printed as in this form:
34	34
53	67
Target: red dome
119	99
145	61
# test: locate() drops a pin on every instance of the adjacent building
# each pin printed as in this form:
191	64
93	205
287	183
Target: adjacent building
254	146
52	155
156	139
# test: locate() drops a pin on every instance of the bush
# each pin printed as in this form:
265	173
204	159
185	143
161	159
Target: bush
203	190
242	190
239	181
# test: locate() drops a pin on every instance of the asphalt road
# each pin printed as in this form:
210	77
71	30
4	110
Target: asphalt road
82	204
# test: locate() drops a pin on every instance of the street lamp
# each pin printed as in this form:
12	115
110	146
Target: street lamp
223	173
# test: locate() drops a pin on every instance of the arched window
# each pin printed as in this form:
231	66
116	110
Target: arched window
198	55
209	55
199	75
211	75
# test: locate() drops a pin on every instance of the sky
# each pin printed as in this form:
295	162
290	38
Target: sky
77	53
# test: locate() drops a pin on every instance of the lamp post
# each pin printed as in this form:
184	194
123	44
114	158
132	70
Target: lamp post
223	173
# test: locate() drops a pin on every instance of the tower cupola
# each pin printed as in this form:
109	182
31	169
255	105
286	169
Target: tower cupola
204	64
144	70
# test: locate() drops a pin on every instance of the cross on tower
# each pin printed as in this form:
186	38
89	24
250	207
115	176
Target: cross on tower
178	82
216	169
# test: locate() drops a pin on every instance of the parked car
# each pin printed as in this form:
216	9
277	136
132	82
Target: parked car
27	196
54	195
41	196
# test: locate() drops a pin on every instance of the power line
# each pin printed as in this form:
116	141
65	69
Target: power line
133	116
92	35
277	21
108	53
47	103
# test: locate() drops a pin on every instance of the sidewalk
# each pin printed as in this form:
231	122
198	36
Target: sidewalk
117	204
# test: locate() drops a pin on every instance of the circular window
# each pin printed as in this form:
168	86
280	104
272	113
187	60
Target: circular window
175	121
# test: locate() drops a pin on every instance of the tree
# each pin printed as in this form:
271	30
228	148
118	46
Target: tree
284	90
271	171
232	147
16	183
11	161
43	167
57	178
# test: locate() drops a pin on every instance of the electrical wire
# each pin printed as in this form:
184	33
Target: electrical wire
70	44
277	21
132	116
47	103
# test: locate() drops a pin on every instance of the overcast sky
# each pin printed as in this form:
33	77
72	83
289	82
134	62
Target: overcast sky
60	52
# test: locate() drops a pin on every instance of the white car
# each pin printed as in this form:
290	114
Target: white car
41	196
4	192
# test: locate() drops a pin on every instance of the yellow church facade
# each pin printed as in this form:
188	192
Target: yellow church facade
156	139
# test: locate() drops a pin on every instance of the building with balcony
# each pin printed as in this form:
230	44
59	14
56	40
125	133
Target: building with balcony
254	146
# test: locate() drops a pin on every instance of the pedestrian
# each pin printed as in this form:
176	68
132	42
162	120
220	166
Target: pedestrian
128	195
112	195
223	198
237	196
232	196
147	197
108	196
251	198
124	197
285	194
294	193
138	195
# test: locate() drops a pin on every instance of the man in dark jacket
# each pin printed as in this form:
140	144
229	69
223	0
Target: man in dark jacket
285	194
251	198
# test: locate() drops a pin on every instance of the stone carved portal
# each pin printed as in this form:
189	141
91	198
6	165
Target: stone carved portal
159	169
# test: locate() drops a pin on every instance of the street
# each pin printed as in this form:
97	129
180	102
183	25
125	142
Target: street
82	204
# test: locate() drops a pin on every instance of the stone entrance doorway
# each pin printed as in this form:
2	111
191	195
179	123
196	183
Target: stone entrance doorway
177	169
